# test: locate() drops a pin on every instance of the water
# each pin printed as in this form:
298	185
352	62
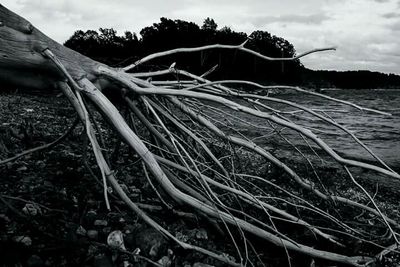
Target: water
379	132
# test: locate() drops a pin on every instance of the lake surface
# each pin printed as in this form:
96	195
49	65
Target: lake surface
379	132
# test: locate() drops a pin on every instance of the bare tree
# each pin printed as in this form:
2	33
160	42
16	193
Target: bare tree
182	117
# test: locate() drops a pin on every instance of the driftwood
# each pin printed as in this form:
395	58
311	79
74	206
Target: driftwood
185	142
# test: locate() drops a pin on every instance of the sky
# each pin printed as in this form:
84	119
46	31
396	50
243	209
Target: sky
365	32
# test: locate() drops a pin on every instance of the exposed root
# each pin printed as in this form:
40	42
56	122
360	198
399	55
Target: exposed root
192	157
175	138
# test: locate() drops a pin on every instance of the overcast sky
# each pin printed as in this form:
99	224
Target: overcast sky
366	32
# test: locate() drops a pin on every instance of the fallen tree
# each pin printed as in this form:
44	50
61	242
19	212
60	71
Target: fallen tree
183	132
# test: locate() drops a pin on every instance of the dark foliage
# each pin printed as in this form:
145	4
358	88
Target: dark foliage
108	47
361	79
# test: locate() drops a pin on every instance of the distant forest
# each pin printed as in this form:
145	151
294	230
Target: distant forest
108	47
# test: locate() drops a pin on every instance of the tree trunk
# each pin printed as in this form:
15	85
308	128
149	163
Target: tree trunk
22	62
30	59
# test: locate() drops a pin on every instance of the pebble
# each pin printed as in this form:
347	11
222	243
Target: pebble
165	261
107	230
4	218
102	261
81	231
90	217
31	209
116	240
100	223
151	242
91	203
199	264
26	240
125	188
22	168
93	234
154	250
34	261
91	213
201	234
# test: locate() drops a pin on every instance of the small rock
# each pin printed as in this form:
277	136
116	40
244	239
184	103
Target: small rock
134	190
26	240
63	191
151	242
115	240
102	261
90	217
31	209
92	250
81	231
100	223
22	168
107	230
165	261
34	261
4	218
199	264
201	234
91	213
48	184
93	234
125	188
182	237
91	202
170	253
48	263
154	250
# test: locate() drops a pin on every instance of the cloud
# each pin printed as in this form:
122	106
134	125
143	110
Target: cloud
395	26
316	19
391	15
366	32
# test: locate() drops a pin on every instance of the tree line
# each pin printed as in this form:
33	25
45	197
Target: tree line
116	50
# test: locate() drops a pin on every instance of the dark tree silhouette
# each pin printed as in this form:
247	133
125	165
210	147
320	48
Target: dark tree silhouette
209	25
108	47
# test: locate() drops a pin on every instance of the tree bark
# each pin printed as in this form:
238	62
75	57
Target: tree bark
21	56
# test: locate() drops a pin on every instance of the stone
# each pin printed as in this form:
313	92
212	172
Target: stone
151	242
81	231
201	234
116	240
31	209
165	261
102	261
100	223
93	234
25	240
199	264
34	261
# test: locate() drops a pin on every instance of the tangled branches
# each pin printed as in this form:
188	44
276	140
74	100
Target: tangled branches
191	143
